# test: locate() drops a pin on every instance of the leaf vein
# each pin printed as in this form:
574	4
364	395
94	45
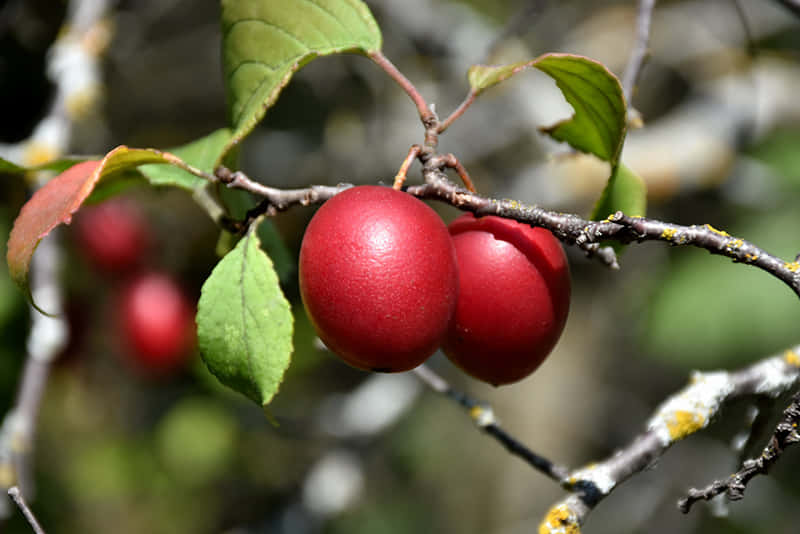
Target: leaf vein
245	337
269	24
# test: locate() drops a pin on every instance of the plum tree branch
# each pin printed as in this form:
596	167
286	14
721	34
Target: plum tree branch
687	411
569	228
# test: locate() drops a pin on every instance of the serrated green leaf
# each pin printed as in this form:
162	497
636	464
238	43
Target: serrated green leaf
202	154
625	192
599	123
265	42
244	323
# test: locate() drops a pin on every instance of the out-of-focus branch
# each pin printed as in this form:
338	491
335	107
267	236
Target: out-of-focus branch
483	416
785	434
73	66
684	413
15	494
640	52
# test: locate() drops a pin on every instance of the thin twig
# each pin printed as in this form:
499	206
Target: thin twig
15	494
785	435
402	173
445	124
483	416
452	162
639	53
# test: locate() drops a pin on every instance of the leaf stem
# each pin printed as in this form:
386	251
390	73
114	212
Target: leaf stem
425	113
458	112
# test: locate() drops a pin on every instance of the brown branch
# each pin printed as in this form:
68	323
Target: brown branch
483	416
785	435
569	228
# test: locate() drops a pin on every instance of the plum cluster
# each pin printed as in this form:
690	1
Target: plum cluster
386	283
154	317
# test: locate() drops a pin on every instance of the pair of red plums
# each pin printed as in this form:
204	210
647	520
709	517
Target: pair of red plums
385	284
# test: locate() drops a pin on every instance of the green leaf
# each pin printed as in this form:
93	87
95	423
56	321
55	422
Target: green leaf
244	323
202	154
599	123
265	42
625	192
6	167
57	201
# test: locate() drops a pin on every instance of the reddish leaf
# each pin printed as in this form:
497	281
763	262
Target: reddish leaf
51	205
61	197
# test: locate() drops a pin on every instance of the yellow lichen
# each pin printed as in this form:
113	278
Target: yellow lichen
97	39
720	232
80	104
793	266
669	233
559	520
792	358
683	423
37	153
736	243
8	476
751	257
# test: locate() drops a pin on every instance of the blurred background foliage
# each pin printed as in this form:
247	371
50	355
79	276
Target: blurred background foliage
121	451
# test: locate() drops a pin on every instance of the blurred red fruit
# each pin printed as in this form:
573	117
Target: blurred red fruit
113	235
157	323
